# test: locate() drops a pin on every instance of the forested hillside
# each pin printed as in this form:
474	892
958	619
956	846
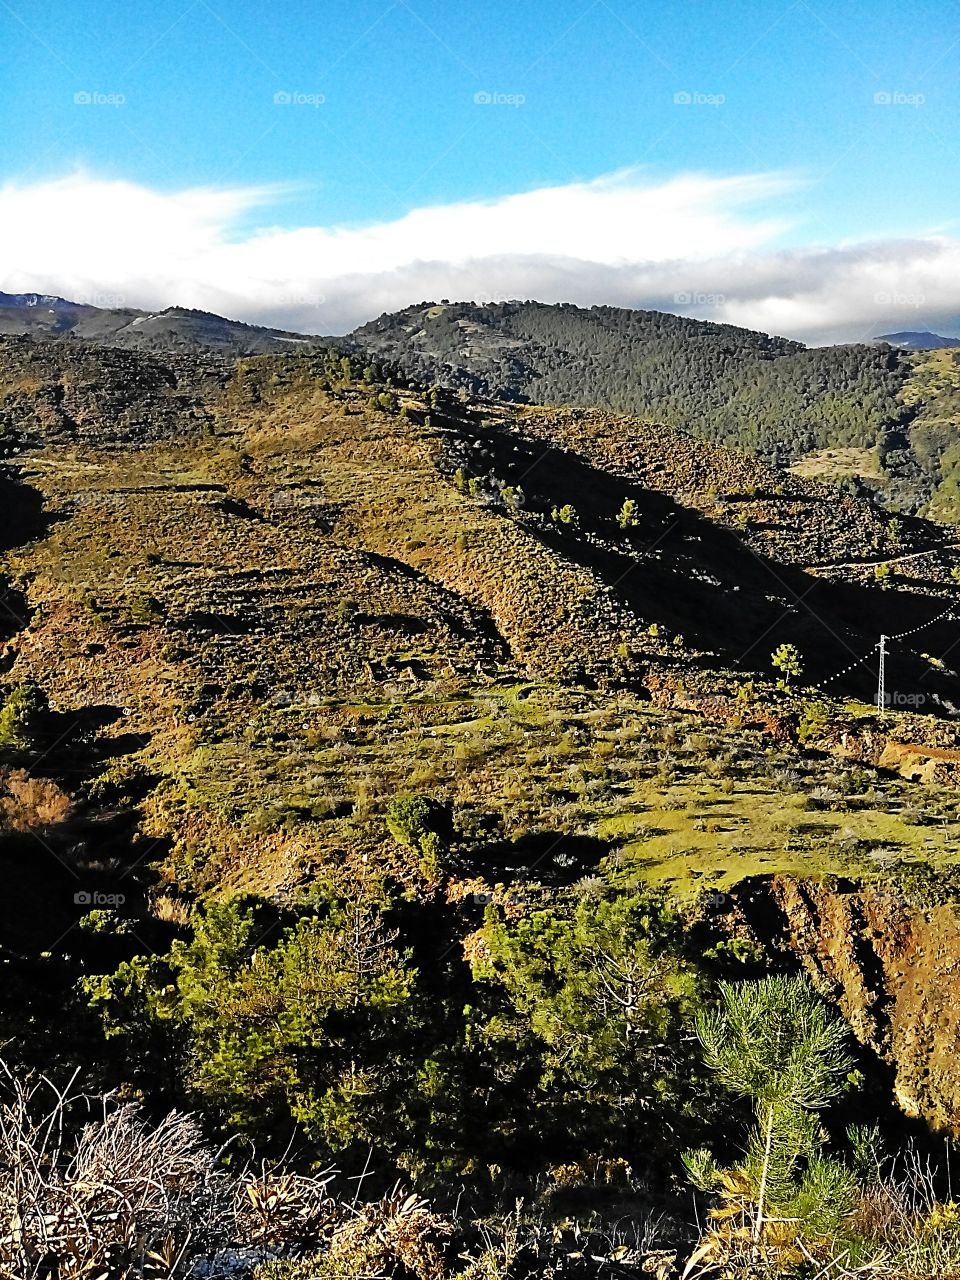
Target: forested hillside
927	460
729	385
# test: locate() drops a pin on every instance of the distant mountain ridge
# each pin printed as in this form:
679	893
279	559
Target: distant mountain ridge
172	329
31	299
918	340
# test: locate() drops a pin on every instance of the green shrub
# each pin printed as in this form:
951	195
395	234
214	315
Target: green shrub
306	1023
627	516
23	718
815	722
786	658
416	823
567	514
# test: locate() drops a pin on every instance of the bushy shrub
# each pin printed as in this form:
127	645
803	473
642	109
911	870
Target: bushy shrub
24	717
418	823
28	803
628	515
303	1024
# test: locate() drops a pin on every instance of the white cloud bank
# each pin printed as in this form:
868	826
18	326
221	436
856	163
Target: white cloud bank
694	244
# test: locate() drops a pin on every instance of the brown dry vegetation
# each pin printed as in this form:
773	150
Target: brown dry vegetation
28	803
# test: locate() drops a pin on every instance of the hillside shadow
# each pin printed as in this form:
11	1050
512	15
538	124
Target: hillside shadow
551	858
24	520
703	581
24	517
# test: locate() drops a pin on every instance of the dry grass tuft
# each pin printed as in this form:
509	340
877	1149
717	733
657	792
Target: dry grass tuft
28	803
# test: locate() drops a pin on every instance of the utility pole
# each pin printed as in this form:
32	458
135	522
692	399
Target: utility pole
882	680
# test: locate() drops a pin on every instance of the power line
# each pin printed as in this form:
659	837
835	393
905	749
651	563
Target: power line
923	625
851	667
881	646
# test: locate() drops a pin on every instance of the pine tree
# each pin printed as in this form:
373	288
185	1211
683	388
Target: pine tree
786	658
627	517
776	1043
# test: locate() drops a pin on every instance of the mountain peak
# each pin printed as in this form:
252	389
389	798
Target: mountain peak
33	300
918	340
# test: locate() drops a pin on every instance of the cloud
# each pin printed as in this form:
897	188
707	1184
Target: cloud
696	244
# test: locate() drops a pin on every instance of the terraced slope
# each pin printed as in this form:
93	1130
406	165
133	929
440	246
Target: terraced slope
291	594
266	599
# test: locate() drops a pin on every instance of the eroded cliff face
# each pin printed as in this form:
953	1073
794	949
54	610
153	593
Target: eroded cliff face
893	966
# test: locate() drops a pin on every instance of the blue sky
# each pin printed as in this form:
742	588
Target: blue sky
383	119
